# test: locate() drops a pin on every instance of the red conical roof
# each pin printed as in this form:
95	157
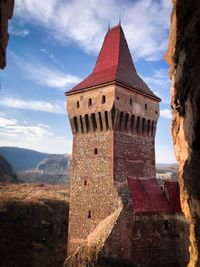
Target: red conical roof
114	64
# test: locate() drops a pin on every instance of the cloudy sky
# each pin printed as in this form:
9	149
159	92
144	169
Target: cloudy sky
54	44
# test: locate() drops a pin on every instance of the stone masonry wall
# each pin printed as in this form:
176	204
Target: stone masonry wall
182	239
93	196
114	130
153	240
134	156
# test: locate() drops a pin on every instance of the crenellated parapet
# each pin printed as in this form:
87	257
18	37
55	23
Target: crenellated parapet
113	108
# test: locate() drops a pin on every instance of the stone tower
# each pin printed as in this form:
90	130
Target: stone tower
113	116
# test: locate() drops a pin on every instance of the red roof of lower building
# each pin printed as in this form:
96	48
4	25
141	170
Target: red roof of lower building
115	64
149	196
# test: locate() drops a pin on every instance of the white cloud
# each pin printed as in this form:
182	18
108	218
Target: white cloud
54	59
11	127
145	22
38	137
44	75
165	113
18	31
7	122
33	105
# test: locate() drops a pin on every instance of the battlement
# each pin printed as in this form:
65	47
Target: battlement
113	108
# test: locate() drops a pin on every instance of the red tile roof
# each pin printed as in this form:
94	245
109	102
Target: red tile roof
173	191
115	63
148	196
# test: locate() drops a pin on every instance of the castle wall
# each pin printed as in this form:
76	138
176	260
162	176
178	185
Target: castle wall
146	240
114	131
182	241
93	196
153	240
134	156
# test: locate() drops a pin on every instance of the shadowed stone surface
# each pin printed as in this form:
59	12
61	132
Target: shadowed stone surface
184	58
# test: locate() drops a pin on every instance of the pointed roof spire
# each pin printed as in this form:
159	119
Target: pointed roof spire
114	64
119	19
108	25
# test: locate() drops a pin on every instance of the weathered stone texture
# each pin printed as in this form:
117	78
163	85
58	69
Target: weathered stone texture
92	187
184	56
181	229
107	148
134	156
153	240
6	12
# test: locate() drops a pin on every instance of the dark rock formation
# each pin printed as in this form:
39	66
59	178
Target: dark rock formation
6	12
6	173
184	57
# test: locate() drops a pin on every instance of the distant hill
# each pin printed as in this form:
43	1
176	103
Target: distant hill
37	167
20	158
53	169
6	173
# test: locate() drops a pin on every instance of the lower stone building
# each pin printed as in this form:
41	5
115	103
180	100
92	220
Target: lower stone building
150	230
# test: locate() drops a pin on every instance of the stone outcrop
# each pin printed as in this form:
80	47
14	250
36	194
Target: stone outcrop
6	172
6	12
183	55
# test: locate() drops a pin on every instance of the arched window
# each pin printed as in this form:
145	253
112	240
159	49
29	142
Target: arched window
103	99
90	102
89	214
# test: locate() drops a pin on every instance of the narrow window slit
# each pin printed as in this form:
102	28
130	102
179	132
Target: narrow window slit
95	151
138	125
166	225
100	121
148	127
106	118
120	119
89	214
87	123
81	121
126	121
152	127
94	122
90	102
76	124
143	126
103	100
132	122
113	116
